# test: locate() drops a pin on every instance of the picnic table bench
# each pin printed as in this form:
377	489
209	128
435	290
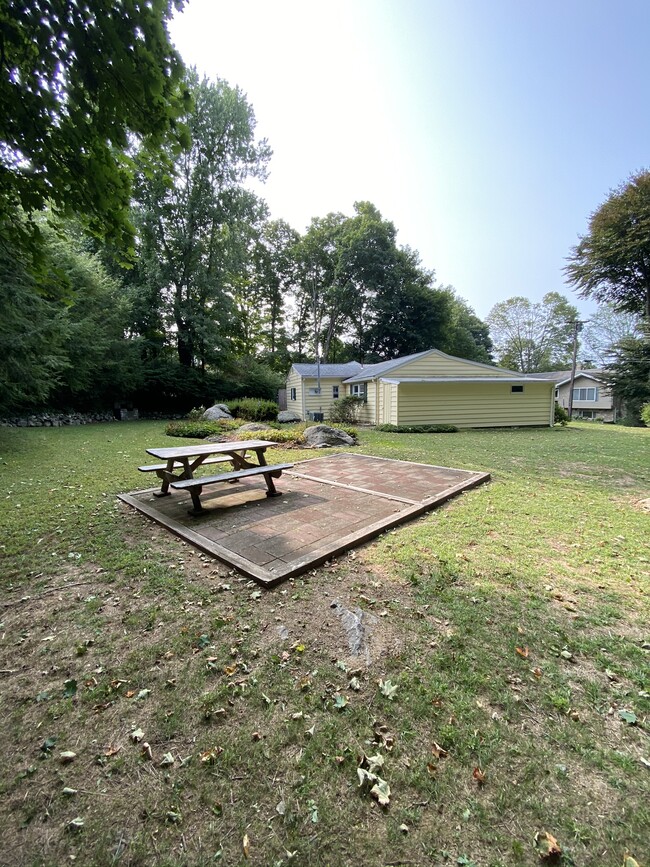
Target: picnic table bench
181	462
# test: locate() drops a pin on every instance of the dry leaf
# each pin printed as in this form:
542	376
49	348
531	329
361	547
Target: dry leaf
478	775
438	751
112	749
546	845
522	651
245	845
431	768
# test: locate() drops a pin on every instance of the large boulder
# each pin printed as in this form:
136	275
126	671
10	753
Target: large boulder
252	425
321	436
287	416
214	413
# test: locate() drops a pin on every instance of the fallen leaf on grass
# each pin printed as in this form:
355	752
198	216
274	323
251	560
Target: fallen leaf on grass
67	756
522	651
388	689
136	736
246	844
479	775
628	716
629	861
381	792
546	845
340	701
438	751
167	760
209	756
431	768
230	669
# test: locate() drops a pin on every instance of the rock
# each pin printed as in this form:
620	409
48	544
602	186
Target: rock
214	413
322	436
253	425
288	416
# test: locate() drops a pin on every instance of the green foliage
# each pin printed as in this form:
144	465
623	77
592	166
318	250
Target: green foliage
533	337
561	416
62	330
201	429
196	233
628	376
68	112
610	263
345	410
253	409
286	435
419	428
645	414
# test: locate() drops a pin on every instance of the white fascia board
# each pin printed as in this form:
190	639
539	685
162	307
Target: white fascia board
511	379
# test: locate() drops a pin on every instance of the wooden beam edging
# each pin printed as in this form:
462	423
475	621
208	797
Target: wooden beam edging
354	488
230	558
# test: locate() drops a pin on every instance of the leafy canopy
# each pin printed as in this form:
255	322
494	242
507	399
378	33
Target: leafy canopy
77	78
612	261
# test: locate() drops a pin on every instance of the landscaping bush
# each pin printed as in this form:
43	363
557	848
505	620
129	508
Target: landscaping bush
273	435
253	408
561	415
201	429
645	414
345	410
419	428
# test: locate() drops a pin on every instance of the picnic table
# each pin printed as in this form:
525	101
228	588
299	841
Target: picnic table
181	462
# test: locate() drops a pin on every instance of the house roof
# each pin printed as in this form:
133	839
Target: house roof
562	376
337	371
372	371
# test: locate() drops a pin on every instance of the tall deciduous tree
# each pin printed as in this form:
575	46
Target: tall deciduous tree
194	234
612	261
604	330
77	77
533	337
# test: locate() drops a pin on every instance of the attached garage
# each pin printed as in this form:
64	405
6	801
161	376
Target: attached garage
434	388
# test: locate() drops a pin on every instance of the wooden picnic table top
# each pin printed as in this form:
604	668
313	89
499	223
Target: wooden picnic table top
208	449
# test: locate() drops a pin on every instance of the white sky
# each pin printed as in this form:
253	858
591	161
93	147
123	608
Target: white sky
486	130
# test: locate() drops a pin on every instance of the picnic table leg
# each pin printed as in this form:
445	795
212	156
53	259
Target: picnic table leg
197	509
271	492
167	476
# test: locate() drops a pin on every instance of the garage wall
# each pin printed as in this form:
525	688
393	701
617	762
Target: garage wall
474	404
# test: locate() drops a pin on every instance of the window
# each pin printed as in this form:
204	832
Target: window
335	391
358	390
292	394
314	390
517	389
585	394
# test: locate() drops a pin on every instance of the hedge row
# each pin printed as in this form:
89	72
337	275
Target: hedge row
417	428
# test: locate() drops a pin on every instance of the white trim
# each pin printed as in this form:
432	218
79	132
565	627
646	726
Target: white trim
579	373
508	379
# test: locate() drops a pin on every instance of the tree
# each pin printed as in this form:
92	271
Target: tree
604	330
612	261
62	337
195	234
629	375
77	77
533	337
468	336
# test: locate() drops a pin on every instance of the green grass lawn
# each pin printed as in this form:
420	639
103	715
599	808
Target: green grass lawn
510	637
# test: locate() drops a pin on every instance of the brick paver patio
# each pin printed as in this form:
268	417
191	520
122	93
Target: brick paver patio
328	505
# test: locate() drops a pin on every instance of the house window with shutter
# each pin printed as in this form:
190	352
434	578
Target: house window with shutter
293	394
335	392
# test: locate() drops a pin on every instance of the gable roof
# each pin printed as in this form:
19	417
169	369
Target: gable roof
372	371
337	371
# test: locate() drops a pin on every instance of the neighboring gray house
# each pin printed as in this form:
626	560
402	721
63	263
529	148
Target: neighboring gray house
591	397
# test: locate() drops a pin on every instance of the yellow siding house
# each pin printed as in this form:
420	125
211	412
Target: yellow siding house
426	388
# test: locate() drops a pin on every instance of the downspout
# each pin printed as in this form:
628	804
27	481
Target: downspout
552	424
303	406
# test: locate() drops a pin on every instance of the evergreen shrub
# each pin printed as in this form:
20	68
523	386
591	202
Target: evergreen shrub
417	428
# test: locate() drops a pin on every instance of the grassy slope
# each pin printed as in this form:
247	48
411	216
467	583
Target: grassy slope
551	557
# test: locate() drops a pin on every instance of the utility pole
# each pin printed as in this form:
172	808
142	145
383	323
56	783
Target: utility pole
577	328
